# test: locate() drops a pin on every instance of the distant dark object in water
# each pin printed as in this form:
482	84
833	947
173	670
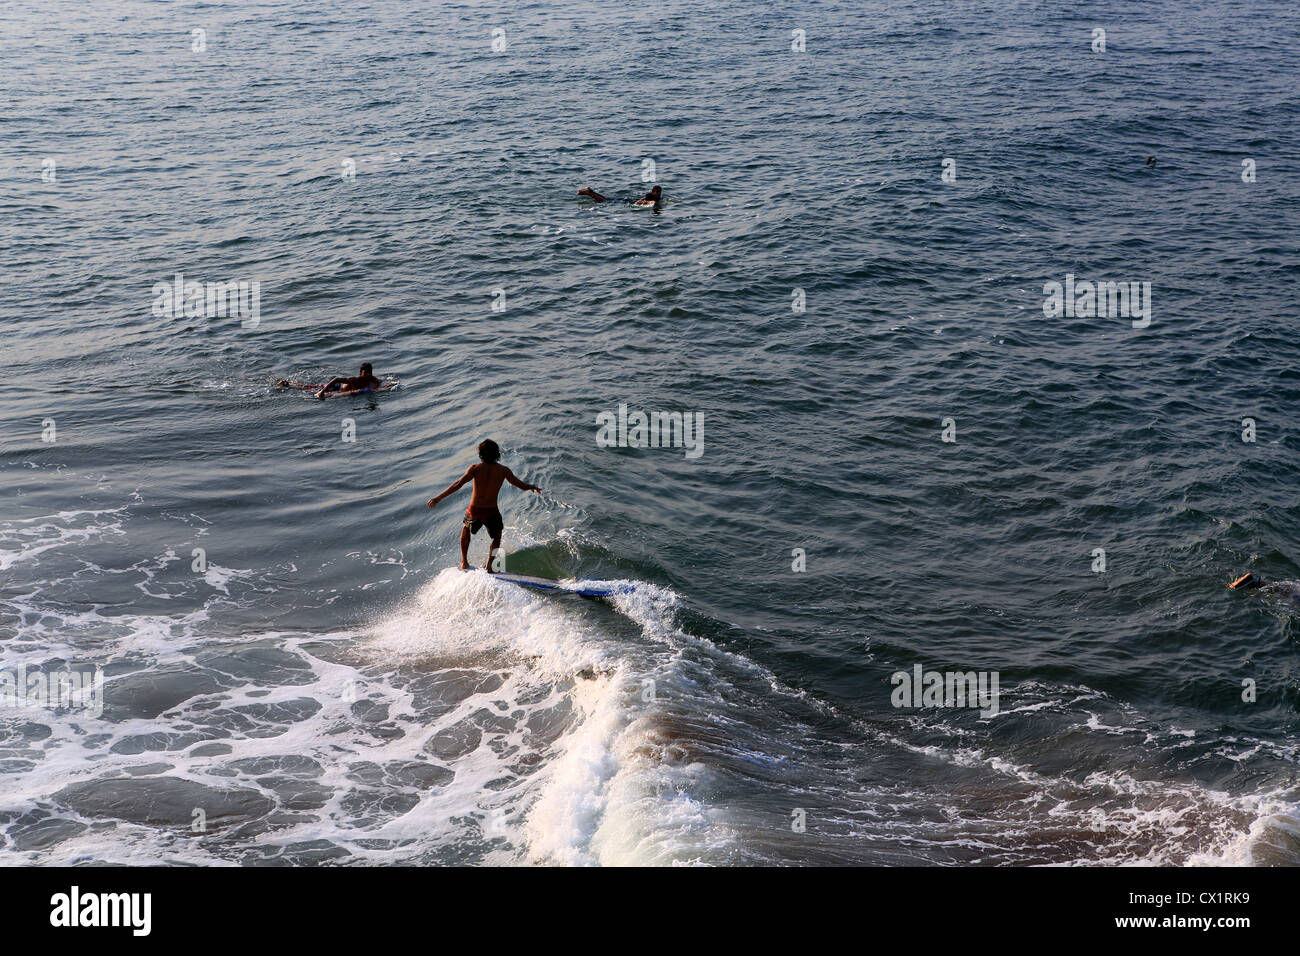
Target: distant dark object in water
1151	161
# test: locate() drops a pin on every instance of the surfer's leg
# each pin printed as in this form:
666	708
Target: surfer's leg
588	191
495	525
464	547
332	385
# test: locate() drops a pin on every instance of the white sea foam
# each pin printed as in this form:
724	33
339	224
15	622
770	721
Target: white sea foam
26	539
481	715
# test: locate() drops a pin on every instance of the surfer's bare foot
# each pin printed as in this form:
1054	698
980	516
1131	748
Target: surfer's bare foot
282	383
488	568
464	565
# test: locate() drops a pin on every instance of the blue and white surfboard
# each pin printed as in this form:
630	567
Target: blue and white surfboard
582	588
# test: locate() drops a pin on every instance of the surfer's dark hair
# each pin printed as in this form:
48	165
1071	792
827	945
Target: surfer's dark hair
488	450
365	368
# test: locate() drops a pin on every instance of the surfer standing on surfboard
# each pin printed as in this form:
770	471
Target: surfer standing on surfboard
482	512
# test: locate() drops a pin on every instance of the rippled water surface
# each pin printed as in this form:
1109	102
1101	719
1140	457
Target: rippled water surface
293	670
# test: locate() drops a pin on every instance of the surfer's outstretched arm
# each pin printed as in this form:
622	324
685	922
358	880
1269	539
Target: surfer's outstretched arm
510	477
588	191
455	486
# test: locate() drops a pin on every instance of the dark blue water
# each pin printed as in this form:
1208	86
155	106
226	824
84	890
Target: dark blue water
317	686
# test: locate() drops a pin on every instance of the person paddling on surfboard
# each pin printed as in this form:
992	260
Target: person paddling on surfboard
482	512
1253	582
652	198
365	381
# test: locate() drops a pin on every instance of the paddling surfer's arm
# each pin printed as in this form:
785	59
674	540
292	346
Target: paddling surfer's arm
455	486
510	477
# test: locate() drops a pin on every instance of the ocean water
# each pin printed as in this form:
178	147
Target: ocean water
295	673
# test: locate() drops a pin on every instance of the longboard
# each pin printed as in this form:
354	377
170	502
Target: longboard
364	391
308	387
582	588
